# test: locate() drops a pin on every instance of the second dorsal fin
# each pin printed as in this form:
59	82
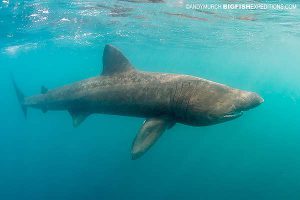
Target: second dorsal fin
114	62
44	90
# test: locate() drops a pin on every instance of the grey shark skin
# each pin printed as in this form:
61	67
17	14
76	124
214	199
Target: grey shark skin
163	99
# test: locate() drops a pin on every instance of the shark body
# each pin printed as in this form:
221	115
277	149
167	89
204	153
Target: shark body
163	99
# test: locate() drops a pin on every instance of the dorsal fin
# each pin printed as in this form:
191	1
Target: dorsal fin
44	90
114	62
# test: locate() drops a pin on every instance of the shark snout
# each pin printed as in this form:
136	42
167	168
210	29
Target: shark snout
246	101
250	100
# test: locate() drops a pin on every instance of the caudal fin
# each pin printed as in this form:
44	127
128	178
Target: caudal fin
20	96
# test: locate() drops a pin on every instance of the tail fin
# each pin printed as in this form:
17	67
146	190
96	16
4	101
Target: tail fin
20	96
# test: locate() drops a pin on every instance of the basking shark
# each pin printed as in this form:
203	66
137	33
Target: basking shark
162	99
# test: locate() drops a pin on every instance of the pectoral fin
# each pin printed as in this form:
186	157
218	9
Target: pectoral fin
150	131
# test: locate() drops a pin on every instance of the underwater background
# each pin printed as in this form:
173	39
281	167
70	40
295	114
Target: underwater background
52	43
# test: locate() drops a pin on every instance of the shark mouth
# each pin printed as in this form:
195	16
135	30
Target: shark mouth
233	115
